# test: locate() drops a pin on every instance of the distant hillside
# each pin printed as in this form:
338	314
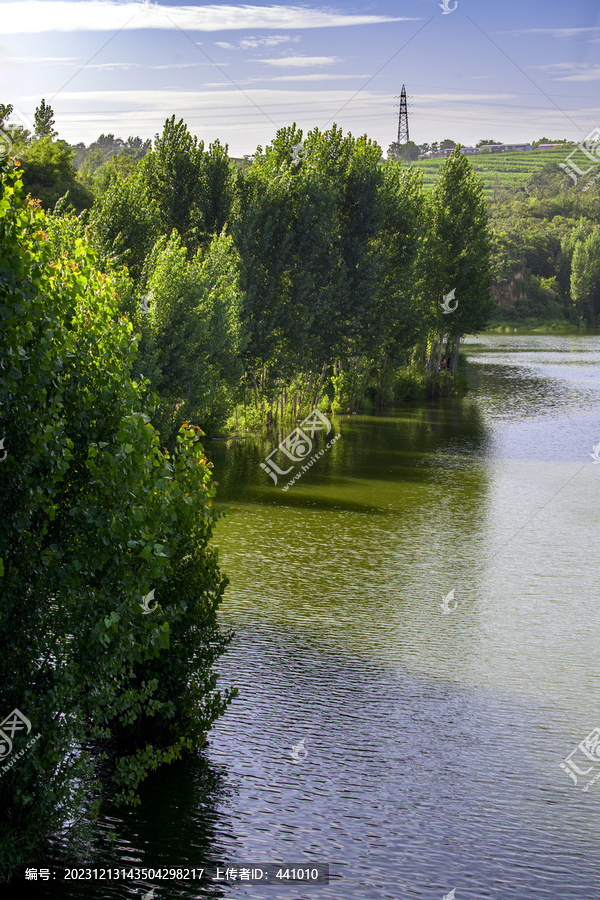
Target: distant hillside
499	169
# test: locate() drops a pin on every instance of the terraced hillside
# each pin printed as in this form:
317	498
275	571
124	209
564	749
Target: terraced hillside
500	169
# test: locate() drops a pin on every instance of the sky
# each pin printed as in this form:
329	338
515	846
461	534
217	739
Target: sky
507	70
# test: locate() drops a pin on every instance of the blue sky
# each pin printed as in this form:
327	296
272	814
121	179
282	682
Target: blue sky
510	70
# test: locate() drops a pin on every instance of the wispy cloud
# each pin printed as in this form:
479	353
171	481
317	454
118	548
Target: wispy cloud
42	59
315	76
591	30
571	71
128	65
35	16
252	43
300	61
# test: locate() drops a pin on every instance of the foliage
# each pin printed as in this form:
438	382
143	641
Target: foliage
95	516
48	174
408	152
44	121
193	337
585	277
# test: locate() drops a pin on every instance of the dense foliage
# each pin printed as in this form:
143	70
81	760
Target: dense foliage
326	262
95	517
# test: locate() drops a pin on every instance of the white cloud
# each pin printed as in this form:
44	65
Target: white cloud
224	45
571	71
556	32
300	61
42	59
316	76
127	65
250	43
35	16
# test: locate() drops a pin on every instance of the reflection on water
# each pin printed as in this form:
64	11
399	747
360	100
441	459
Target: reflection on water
433	738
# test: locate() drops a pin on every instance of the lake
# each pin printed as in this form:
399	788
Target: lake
416	652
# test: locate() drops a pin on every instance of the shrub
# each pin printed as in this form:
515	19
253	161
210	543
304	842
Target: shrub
95	517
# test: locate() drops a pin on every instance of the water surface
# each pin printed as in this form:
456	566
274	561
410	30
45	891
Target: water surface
431	740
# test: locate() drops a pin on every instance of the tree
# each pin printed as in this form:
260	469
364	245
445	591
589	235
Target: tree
173	175
95	517
48	174
447	144
456	256
585	277
408	152
398	320
5	111
192	351
125	223
44	121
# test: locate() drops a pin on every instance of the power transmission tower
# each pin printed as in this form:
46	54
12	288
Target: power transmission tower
403	137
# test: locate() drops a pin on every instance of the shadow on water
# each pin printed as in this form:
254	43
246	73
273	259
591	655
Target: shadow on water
178	825
390	447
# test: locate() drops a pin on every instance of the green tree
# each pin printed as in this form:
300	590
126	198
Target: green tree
194	338
456	257
408	152
5	111
125	223
48	174
172	173
44	121
398	319
585	277
94	518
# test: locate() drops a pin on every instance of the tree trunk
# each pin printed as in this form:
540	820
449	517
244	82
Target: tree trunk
438	355
382	379
320	385
455	357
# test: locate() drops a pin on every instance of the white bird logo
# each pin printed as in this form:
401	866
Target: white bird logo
445	604
446	11
446	308
149	895
595	455
299	751
5	144
449	896
148	6
145	302
6	451
297	153
146	608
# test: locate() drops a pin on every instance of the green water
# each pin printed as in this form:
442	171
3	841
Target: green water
414	748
